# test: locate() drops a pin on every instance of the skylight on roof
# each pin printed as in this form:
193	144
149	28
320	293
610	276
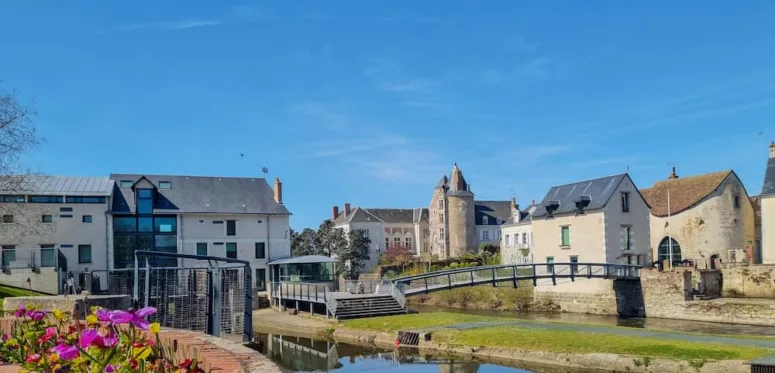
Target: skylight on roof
126	183
165	185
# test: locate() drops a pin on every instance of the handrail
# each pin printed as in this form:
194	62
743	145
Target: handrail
397	294
508	266
304	291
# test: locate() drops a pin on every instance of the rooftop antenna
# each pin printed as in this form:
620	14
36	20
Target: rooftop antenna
265	171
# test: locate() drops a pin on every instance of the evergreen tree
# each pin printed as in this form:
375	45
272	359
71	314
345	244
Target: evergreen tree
353	256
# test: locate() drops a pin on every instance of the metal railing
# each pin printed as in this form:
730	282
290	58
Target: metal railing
307	292
442	280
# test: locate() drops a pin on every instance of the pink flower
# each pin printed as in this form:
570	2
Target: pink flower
33	358
36	315
136	318
66	352
110	368
103	314
51	331
89	337
20	311
109	340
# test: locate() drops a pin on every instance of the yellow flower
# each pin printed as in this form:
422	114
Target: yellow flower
91	319
142	353
155	328
59	315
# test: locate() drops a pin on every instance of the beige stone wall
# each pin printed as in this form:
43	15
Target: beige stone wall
714	226
755	281
462	231
768	229
586	238
437	224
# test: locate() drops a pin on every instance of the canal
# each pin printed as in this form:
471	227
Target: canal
632	322
302	354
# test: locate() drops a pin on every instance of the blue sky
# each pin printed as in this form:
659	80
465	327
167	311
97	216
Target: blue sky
370	102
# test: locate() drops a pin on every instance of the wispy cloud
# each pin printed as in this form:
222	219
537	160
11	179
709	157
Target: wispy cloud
170	25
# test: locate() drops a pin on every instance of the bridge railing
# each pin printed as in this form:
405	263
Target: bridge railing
304	291
515	272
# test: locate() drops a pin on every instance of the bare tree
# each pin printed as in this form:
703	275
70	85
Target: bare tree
17	135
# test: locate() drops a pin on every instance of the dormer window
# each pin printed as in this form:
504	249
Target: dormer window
126	183
165	185
144	201
581	204
551	208
485	220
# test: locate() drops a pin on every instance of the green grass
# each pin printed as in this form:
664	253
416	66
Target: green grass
6	292
416	321
582	342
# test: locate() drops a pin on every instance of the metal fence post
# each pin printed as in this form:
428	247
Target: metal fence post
216	291
247	328
147	282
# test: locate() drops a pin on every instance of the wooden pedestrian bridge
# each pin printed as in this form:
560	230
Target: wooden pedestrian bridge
388	297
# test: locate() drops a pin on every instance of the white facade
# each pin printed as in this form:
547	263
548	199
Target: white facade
516	240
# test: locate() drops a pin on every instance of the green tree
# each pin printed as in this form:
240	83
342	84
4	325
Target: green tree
329	239
353	256
303	243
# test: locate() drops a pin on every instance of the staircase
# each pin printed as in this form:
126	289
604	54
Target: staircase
355	308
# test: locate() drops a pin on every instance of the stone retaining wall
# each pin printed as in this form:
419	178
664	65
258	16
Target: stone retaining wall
753	281
215	354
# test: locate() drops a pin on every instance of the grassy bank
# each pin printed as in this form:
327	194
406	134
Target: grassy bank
504	298
6	291
524	337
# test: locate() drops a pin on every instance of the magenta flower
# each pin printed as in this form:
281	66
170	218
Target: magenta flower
20	312
136	318
36	315
109	340
103	314
110	368
66	352
88	337
51	331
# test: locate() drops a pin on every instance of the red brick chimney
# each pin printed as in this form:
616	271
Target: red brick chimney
335	212
278	190
347	209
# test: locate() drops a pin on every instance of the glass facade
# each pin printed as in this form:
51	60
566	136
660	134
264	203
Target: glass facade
144	231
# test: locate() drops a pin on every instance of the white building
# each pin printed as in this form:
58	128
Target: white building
230	217
52	225
517	237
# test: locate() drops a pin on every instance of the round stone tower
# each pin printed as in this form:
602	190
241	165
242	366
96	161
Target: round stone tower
460	207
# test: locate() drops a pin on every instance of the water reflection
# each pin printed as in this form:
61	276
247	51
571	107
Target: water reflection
300	354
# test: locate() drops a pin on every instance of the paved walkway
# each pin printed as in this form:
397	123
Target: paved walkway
643	333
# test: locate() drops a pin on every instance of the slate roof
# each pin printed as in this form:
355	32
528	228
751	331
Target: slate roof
390	216
769	179
524	216
685	192
493	210
199	194
420	215
57	185
599	192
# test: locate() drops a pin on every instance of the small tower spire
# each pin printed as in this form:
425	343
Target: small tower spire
672	174
772	149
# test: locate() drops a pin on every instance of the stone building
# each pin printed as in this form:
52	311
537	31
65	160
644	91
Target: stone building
710	216
517	235
457	223
768	209
385	228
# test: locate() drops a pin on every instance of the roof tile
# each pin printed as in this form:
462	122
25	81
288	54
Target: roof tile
685	192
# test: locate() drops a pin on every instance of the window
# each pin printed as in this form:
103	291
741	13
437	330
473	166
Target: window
124	224
260	250
145	224
426	232
441	234
387	243
507	240
498	234
625	202
626	237
260	279
231	250
409	243
573	266
201	248
165	185
441	218
737	202
9	255
485	220
86	219
165	224
524	238
65	209
363	232
66	216
47	218
126	183
46	199
84	253
667	247
485	235
441	203
397	241
12	199
7	218
231	227
145	201
85	199
47	256
550	264
565	236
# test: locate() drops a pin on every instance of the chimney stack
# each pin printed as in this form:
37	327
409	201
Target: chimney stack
772	149
514	205
347	209
672	175
278	190
335	212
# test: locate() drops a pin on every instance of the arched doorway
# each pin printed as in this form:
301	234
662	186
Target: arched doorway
665	248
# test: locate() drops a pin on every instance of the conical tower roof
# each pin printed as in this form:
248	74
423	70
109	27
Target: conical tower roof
457	183
442	182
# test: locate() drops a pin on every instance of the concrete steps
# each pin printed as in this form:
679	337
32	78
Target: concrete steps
356	308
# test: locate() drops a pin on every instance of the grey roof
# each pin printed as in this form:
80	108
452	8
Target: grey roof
442	182
198	194
420	214
57	185
524	216
304	259
769	178
493	210
364	215
599	191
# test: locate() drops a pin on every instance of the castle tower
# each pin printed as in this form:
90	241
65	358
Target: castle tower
460	211
437	220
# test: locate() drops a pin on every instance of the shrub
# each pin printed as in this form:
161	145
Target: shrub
108	341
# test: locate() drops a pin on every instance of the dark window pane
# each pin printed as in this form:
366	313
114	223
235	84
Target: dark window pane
124	224
260	250
13	199
123	249
7	218
126	183
231	250
145	224
86	219
201	248
144	206
145	242
46	199
84	253
47	258
66	209
166	241
144	193
165	185
260	279
9	255
231	227
165	224
67	216
47	218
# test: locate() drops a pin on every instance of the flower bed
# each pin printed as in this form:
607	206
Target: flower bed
116	341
